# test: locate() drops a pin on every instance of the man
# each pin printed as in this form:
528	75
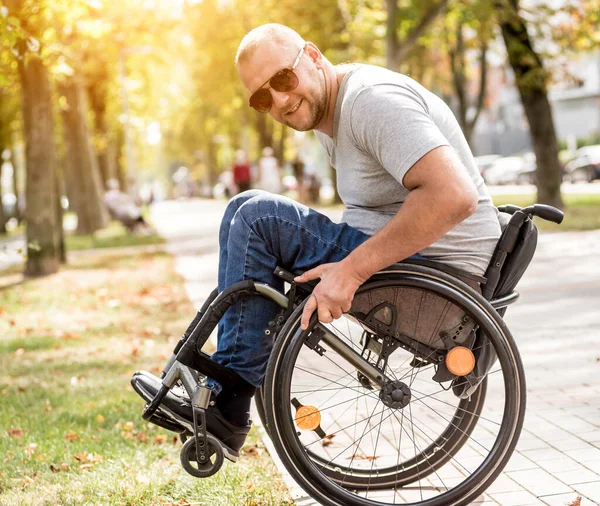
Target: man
405	173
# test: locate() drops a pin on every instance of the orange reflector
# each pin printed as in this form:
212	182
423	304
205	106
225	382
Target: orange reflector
307	417
460	361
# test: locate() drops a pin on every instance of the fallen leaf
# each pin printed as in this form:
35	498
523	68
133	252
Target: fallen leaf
362	456
71	436
15	432
85	467
327	440
99	418
160	439
254	451
128	426
576	502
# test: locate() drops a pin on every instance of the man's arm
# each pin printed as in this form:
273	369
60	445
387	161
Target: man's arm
441	196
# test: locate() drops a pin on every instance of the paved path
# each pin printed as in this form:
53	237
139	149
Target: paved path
556	324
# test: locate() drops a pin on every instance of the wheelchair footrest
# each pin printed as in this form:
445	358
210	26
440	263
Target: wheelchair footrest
175	413
170	414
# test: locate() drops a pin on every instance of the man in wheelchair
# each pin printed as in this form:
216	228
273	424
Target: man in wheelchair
405	173
412	191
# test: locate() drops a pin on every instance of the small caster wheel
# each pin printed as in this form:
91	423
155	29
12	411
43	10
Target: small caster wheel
214	457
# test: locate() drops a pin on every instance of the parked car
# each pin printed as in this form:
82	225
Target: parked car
484	162
585	167
527	173
504	170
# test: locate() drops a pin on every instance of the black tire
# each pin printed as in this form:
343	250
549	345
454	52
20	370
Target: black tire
190	462
259	401
342	482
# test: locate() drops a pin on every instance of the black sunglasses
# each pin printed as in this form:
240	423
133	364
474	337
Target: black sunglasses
284	80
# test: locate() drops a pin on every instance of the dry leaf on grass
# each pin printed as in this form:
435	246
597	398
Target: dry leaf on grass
71	436
254	451
87	457
63	466
15	432
159	439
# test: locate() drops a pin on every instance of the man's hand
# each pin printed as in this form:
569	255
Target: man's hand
333	295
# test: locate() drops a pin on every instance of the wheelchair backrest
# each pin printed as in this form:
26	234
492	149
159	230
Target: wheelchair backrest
517	260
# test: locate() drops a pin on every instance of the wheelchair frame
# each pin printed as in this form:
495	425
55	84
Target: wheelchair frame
190	366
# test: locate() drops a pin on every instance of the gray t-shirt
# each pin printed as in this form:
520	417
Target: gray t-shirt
384	122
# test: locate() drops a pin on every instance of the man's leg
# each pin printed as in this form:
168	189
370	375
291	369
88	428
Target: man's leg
260	231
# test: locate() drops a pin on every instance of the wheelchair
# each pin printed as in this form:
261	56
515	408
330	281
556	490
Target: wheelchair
415	396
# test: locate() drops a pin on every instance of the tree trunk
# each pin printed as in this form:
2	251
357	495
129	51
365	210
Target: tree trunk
2	215
85	188
391	34
280	146
17	166
265	131
40	213
459	80
531	79
104	144
397	51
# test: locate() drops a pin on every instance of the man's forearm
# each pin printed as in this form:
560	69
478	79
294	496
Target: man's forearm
425	217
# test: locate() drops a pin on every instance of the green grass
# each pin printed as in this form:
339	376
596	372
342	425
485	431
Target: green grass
582	212
71	431
113	236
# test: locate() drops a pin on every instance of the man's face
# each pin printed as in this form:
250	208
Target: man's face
301	108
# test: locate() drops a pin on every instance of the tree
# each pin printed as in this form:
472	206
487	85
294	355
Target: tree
85	187
476	18
38	126
412	23
531	79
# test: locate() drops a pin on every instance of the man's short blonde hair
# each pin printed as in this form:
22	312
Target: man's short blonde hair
272	33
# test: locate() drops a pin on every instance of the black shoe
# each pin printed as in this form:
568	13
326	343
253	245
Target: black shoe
178	411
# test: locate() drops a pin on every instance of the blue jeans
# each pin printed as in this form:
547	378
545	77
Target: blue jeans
259	232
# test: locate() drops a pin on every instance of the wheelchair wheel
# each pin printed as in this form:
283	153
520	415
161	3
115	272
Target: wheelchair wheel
434	449
259	401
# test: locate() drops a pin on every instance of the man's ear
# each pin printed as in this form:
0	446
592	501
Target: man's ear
314	54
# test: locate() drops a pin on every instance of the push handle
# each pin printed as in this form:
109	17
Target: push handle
543	211
548	213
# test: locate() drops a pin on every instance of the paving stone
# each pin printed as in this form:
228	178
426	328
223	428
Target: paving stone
564	499
577	476
516	499
587	454
590	490
539	482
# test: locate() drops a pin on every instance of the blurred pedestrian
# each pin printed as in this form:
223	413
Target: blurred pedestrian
241	171
269	178
298	169
122	207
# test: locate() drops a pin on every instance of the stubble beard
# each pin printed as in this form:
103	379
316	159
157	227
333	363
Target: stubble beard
316	109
